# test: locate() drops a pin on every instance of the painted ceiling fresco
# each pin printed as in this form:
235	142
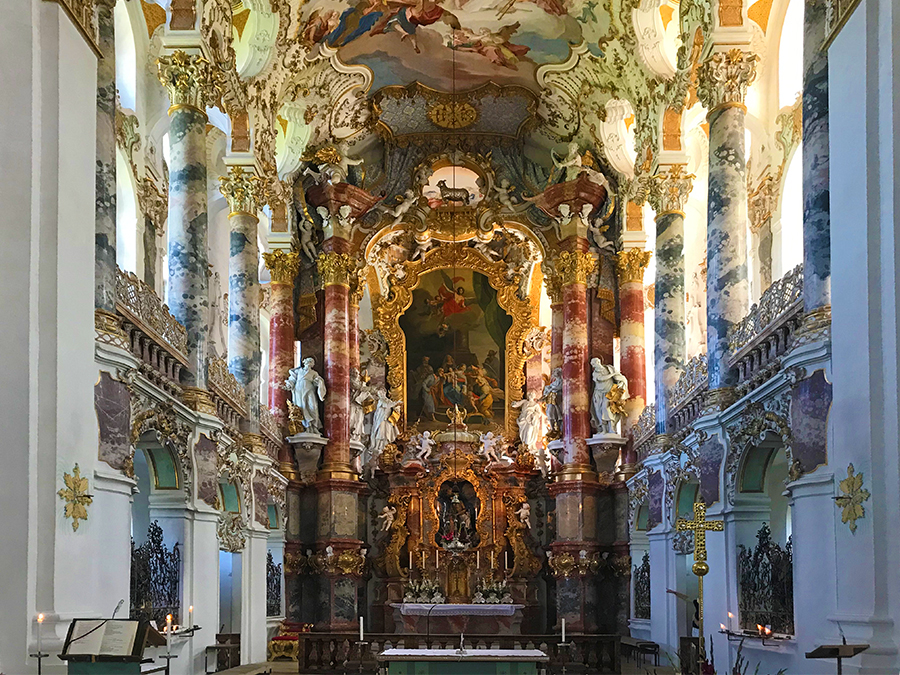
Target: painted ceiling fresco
453	44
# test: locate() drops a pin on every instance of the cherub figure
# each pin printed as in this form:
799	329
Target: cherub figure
307	231
506	194
492	448
424	446
388	513
524	514
399	212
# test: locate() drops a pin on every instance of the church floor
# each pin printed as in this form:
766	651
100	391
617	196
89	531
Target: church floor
279	667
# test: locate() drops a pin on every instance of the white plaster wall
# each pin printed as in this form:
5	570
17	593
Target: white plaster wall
253	600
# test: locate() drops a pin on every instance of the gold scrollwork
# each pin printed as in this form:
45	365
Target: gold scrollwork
388	310
453	115
526	563
389	560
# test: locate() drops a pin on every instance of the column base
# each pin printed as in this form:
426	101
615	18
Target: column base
199	400
579	472
720	399
816	327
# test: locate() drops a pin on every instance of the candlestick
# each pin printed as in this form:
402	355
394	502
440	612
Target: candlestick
40	620
564	631
191	616
361	624
168	634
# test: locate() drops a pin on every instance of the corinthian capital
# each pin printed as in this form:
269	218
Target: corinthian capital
574	267
335	268
631	264
242	189
670	189
552	281
282	265
190	79
724	78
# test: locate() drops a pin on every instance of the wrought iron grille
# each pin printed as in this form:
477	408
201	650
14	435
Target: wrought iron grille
641	578
273	586
766	591
155	578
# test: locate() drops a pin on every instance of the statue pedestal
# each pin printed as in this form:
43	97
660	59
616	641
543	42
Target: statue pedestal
308	451
605	448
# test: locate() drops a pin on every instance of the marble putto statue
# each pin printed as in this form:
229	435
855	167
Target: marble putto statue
307	388
492	448
386	519
424	445
610	390
524	514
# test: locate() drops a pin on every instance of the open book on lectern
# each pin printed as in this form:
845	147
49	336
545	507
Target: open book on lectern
103	637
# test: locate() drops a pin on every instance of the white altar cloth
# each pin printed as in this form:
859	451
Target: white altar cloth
449	609
506	655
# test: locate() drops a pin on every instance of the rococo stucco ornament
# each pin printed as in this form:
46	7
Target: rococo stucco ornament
230	532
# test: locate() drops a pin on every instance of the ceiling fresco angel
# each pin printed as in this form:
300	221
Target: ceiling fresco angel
468	42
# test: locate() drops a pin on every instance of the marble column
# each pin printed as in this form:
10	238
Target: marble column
357	288
554	292
668	196
105	171
242	190
335	267
573	267
283	267
816	190
724	79
631	265
190	81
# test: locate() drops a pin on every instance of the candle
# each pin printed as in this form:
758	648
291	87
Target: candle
168	634
40	621
477	559
564	631
492	560
437	559
505	560
191	616
361	625
423	561
410	560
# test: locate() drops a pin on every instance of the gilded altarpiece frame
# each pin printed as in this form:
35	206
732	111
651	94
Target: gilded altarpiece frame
387	312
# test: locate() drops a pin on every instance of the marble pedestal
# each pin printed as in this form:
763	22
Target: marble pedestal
605	449
453	619
307	451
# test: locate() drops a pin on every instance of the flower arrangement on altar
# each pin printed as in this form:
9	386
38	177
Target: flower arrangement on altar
423	590
492	592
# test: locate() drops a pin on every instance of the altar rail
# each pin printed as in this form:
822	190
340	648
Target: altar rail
330	652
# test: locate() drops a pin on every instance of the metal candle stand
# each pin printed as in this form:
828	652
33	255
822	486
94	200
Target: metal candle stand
40	656
564	653
361	645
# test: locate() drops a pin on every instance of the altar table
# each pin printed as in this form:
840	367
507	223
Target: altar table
467	662
482	619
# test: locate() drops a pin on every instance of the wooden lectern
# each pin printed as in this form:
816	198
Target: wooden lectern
838	652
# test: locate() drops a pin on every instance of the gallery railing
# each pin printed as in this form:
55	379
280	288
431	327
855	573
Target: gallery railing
766	584
155	578
153	334
273	586
643	433
227	393
330	652
758	342
641	581
686	397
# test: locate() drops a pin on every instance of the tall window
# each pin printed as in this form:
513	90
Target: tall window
126	216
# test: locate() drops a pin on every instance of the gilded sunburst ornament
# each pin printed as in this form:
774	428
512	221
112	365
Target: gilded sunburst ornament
76	497
851	501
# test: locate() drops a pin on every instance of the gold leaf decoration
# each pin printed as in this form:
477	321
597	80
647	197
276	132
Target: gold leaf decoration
851	501
453	115
76	497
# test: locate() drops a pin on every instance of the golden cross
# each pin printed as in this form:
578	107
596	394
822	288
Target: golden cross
699	525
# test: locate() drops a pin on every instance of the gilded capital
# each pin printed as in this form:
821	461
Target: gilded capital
357	286
574	267
552	281
670	190
724	78
336	268
282	265
242	189
190	79
631	264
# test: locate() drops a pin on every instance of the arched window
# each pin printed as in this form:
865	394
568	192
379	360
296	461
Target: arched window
790	55
126	58
126	216
790	241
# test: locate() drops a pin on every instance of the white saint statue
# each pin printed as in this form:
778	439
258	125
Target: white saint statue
359	394
533	428
553	400
605	415
524	514
305	385
384	428
386	518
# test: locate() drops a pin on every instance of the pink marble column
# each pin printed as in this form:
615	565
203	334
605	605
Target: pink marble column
631	265
573	267
556	334
354	325
283	267
335	267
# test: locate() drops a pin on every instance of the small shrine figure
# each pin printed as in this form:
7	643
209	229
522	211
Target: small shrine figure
388	513
360	394
533	428
425	445
552	399
384	425
305	384
524	515
610	388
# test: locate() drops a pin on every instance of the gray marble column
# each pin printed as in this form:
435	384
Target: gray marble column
189	79
668	196
241	189
816	194
724	79
105	170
